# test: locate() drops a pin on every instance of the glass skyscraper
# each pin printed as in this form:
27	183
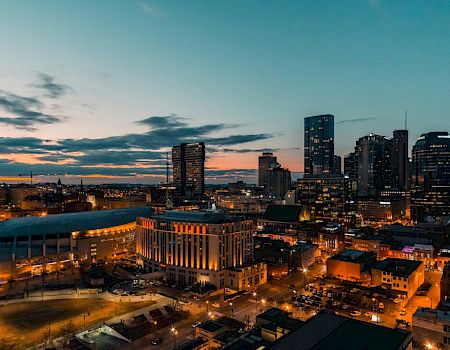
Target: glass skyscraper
319	144
189	169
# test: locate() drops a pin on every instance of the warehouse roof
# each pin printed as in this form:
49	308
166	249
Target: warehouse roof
284	213
70	222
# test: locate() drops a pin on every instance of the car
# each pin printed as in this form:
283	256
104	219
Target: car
345	307
355	313
157	341
216	305
336	304
397	300
368	314
404	322
196	324
403	312
381	306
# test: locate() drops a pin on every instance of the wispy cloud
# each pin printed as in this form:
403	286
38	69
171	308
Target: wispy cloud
121	155
151	9
25	112
51	89
354	120
373	3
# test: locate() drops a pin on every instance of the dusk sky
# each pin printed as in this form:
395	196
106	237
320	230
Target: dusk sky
102	89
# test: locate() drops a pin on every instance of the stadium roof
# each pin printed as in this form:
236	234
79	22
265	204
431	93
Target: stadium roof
70	222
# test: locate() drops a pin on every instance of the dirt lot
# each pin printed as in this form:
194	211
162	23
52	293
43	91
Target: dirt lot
26	324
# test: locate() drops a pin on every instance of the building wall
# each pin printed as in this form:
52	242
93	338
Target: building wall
344	270
431	329
194	252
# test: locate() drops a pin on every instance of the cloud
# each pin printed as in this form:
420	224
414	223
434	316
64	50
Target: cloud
51	89
354	120
150	9
373	3
248	150
25	112
122	155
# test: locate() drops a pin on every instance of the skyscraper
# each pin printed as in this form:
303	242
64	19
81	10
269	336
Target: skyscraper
337	165
265	162
189	169
374	165
319	144
278	182
430	180
399	160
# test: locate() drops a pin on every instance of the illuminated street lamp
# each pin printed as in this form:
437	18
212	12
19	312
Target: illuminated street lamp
207	305
231	307
174	332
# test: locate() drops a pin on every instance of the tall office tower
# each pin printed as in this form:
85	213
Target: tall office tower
399	160
351	181
337	165
319	144
374	165
430	180
278	182
189	169
351	165
266	161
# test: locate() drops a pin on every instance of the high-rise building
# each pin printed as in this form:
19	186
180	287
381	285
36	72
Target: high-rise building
399	160
319	144
189	169
323	195
204	247
351	181
374	165
337	165
430	180
278	182
265	162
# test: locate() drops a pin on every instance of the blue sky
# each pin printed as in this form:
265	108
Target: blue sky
252	69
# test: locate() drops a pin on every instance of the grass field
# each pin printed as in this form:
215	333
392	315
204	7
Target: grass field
27	324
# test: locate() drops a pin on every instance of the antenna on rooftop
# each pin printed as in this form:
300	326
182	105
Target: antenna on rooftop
406	119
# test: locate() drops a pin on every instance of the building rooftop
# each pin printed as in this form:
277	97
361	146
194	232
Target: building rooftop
211	326
284	213
432	314
279	318
329	331
351	255
200	216
71	222
192	344
398	267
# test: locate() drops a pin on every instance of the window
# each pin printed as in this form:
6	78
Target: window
446	328
446	340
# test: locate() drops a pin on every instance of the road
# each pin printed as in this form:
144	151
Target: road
246	306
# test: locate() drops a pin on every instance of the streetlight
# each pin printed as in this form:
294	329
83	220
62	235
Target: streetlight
231	307
207	305
174	332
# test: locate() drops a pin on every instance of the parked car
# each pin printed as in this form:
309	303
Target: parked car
216	305
368	314
196	324
355	313
397	300
404	322
157	341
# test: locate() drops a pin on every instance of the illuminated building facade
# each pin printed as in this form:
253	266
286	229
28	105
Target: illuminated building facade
31	245
323	195
200	247
189	169
319	144
430	185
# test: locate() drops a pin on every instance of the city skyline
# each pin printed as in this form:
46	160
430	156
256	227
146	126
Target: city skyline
107	100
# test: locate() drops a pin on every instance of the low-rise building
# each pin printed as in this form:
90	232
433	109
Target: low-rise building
351	265
275	323
431	329
445	288
327	330
399	276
